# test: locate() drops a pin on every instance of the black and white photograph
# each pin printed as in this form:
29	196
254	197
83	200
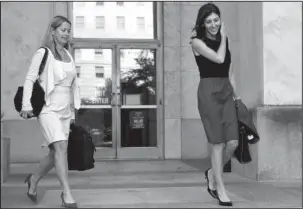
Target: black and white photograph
151	104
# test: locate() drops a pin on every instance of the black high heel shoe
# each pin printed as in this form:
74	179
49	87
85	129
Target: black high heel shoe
32	197
229	203
213	193
68	205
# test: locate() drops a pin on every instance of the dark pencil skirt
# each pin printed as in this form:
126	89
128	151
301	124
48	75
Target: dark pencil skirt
217	110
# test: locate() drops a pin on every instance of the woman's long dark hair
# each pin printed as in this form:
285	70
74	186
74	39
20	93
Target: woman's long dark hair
203	13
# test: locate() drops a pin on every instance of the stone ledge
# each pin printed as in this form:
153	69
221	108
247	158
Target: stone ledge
278	154
26	138
5	158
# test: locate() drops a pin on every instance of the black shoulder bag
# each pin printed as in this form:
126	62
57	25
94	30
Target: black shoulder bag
37	99
242	153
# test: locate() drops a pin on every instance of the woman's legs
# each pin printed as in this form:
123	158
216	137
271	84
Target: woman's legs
56	130
221	154
229	150
61	166
45	165
217	168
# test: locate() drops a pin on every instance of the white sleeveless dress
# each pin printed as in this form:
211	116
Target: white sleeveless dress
55	118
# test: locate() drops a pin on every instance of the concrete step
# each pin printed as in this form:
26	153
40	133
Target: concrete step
173	179
117	167
136	196
122	174
243	195
145	184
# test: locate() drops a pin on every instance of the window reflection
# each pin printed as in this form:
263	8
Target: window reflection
141	23
98	122
134	20
138	127
99	3
79	4
94	70
138	87
120	3
100	22
138	77
120	23
80	22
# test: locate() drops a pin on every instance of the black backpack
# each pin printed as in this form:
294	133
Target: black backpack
80	149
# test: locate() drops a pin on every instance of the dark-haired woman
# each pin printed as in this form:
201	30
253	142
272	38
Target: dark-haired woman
215	95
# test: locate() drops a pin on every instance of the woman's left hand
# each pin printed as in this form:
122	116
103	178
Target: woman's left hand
72	121
236	98
26	114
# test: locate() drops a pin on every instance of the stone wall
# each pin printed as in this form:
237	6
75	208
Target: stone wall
172	80
23	26
282	26
278	155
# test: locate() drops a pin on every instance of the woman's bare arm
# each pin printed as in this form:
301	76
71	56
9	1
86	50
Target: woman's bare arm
201	48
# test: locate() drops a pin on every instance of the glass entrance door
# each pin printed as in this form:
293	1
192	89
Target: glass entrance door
120	103
138	115
96	73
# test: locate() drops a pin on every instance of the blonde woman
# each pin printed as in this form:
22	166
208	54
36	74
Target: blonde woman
59	83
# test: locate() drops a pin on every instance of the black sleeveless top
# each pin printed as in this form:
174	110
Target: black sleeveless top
209	68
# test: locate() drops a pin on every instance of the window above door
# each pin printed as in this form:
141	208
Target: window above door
114	20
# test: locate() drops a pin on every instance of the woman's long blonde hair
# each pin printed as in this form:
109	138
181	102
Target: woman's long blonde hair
49	41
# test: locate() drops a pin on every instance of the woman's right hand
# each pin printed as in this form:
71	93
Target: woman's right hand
26	114
222	30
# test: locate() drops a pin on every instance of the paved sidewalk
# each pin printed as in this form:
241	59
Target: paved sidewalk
148	184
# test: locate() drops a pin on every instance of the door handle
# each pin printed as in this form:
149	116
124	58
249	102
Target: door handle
113	99
119	99
116	99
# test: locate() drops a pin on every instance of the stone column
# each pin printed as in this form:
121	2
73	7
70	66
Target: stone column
21	40
172	85
2	114
5	153
194	141
271	85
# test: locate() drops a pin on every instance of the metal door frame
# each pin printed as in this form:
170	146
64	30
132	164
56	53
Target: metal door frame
116	152
144	152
